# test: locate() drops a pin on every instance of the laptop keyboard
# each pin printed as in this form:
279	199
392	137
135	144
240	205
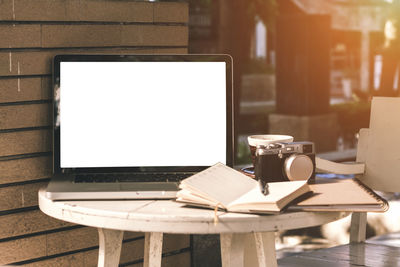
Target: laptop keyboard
130	177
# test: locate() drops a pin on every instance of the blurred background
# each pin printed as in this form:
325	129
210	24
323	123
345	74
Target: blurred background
307	68
302	63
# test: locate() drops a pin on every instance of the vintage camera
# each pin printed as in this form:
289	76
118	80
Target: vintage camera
285	162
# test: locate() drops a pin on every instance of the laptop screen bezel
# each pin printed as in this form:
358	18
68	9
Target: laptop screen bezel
142	58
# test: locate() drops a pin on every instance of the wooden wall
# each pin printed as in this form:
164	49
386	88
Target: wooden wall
31	33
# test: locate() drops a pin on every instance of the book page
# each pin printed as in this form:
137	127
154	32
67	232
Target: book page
186	196
219	184
277	192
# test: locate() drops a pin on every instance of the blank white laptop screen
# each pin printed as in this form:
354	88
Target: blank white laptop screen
128	114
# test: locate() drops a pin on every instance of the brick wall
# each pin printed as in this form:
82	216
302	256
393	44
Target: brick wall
31	33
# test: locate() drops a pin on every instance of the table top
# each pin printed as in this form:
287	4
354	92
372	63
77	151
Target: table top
168	216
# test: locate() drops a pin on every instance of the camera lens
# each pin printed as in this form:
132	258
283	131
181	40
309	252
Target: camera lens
298	167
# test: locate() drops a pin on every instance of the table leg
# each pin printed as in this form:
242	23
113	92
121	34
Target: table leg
252	249
265	248
153	249
110	242
232	249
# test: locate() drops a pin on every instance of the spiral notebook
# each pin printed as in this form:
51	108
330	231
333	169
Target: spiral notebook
341	195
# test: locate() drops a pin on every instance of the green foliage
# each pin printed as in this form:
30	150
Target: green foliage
243	154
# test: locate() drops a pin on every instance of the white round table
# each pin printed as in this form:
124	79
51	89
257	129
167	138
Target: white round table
246	239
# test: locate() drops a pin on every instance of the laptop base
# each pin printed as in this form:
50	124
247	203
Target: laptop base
62	187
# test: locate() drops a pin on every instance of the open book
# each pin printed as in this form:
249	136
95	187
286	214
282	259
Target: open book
223	187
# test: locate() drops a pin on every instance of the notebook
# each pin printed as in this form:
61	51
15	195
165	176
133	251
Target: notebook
225	188
341	195
133	126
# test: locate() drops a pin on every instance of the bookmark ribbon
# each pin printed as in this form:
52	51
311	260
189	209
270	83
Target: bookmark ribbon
216	213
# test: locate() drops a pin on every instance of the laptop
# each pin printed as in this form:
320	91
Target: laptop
133	126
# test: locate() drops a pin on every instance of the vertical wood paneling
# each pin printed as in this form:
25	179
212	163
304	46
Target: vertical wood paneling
31	33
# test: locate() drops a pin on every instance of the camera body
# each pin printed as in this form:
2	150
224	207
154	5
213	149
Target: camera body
285	162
